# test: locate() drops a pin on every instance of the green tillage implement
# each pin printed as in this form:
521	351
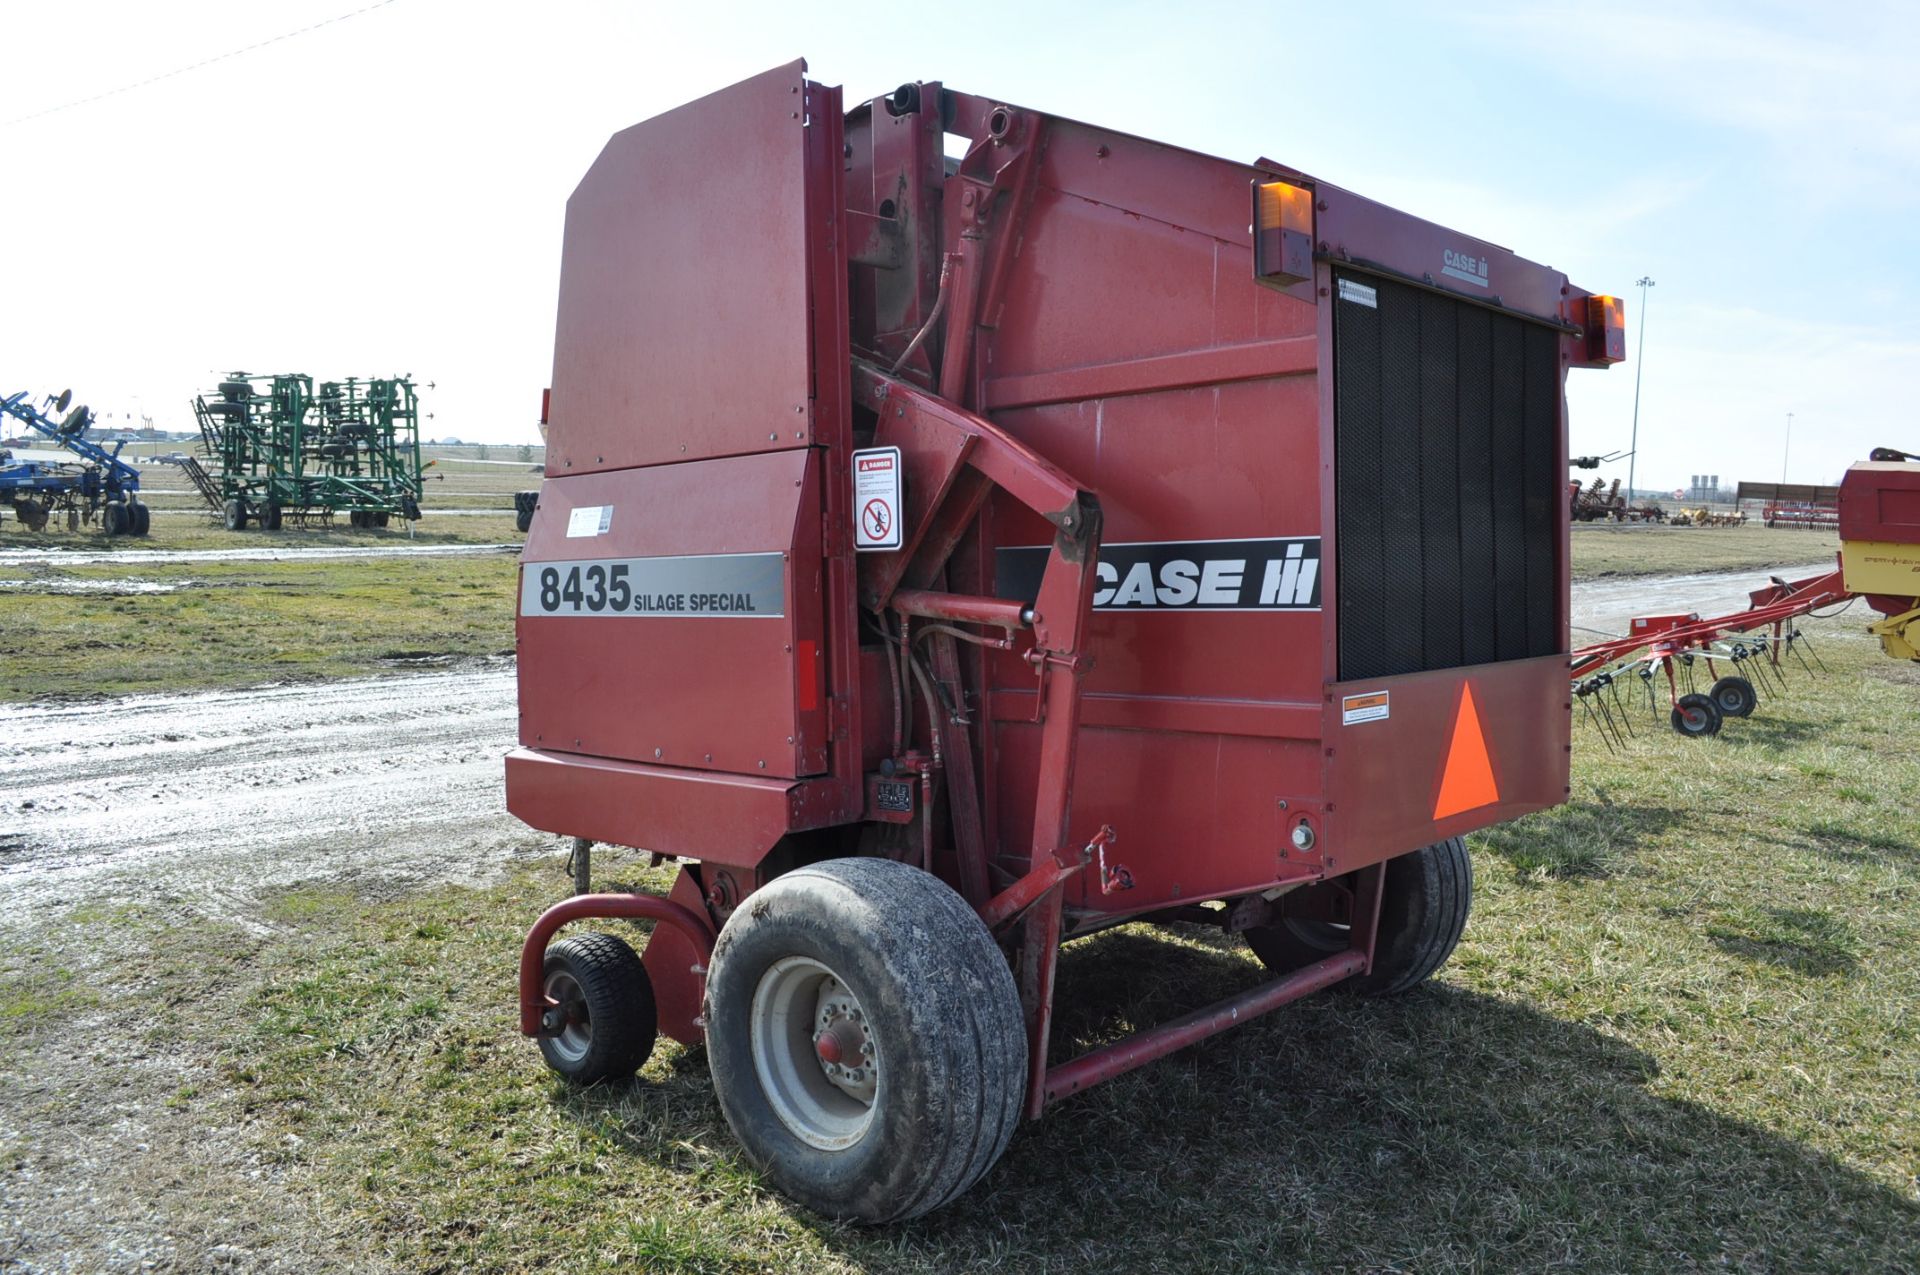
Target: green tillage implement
282	452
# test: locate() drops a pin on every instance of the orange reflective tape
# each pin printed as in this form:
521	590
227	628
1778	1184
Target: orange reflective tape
1467	783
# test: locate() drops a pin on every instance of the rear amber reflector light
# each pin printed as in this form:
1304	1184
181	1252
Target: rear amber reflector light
1606	330
1282	233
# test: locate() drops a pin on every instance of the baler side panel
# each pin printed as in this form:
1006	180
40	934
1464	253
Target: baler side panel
684	290
718	690
1134	350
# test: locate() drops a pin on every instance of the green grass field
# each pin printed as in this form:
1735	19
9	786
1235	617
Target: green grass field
1602	549
243	623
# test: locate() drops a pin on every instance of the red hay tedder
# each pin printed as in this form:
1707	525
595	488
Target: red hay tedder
1877	512
944	559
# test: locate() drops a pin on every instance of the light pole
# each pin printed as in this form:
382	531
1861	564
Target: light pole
1639	365
1786	447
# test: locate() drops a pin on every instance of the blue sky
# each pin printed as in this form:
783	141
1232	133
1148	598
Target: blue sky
385	193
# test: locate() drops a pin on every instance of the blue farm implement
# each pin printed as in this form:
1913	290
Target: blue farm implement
96	482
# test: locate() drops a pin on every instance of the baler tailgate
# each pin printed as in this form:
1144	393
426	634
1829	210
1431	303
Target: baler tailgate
671	615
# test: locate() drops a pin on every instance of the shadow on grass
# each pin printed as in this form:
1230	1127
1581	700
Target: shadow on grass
1763	731
1443	1129
1804	940
1838	840
1583	838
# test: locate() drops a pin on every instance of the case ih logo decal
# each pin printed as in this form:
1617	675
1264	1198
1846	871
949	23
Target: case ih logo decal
1466	267
1184	575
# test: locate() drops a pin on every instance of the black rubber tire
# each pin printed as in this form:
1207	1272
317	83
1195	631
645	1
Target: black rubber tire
380	518
941	1004
271	516
616	1008
1696	716
142	520
1734	696
523	519
236	391
355	518
1422	916
114	518
234	515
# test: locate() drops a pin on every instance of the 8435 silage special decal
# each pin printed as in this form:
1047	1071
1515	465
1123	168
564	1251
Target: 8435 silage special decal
1281	574
713	584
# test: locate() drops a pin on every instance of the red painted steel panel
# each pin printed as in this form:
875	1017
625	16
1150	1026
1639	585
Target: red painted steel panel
1357	229
1226	463
1880	500
1196	726
684	324
1384	775
717	691
671	958
1198	815
733	819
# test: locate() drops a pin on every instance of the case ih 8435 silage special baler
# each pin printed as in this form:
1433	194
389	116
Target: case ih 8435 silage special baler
946	559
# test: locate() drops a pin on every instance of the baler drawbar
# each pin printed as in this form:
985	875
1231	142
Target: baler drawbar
942	559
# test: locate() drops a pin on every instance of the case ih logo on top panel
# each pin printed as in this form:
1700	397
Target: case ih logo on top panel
1464	266
1184	575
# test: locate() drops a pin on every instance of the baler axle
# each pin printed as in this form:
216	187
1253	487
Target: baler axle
1157	1042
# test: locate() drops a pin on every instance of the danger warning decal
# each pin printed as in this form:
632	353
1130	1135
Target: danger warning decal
1184	575
720	584
876	498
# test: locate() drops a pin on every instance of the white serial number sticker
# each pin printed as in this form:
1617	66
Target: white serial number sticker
589	520
1359	294
722	584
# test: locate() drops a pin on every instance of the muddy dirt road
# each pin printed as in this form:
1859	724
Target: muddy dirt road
1602	608
213	798
197	810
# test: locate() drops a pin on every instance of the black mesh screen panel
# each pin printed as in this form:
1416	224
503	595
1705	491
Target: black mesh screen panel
1446	453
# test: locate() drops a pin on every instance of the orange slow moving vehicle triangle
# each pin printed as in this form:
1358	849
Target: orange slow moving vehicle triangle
1467	783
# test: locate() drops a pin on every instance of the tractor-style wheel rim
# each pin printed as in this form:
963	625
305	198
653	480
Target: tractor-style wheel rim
814	1053
574	1038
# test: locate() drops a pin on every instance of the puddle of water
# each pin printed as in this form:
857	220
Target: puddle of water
126	557
109	588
